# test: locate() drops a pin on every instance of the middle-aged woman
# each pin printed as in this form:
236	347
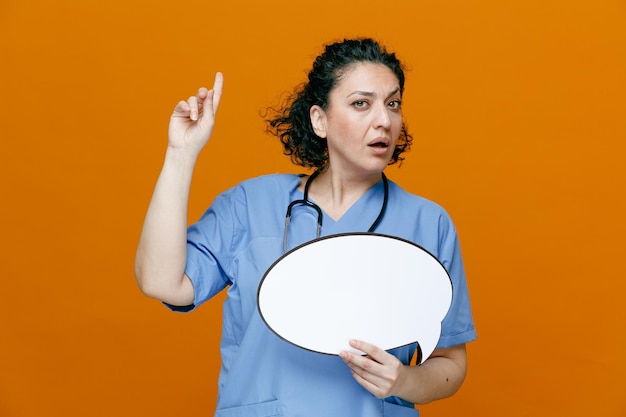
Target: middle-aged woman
346	123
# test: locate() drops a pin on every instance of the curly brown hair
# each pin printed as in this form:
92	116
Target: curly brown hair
291	122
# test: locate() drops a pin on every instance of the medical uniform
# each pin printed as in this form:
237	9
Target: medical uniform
241	235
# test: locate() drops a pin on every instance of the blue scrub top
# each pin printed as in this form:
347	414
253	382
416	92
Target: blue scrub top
241	235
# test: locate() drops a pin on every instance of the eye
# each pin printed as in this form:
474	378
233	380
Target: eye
360	104
395	104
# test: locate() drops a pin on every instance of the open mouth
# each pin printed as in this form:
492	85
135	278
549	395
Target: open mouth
379	144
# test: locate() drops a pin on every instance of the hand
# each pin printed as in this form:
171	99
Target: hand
378	372
192	122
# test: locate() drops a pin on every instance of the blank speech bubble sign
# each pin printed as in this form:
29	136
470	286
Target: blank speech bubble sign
381	289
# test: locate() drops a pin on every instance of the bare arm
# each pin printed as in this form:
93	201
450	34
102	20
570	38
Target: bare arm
381	373
162	250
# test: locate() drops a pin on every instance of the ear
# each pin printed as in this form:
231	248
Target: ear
318	120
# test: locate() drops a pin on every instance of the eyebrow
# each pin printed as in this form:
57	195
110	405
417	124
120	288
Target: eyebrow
371	94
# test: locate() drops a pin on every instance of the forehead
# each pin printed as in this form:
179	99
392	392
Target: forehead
367	76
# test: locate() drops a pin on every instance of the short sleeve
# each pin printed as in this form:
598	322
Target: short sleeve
209	249
458	325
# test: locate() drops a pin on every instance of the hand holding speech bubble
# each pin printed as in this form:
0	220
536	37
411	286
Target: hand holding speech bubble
381	289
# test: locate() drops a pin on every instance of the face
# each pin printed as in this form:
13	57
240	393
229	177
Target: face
362	121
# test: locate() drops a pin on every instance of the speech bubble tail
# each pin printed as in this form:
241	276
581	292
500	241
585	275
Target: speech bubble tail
428	343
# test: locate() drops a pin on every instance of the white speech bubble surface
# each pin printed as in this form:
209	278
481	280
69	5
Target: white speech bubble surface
381	289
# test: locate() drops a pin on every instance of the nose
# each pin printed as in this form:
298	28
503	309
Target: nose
382	118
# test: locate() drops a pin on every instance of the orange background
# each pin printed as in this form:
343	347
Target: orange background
517	108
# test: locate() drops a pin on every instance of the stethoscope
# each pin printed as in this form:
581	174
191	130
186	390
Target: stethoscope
320	216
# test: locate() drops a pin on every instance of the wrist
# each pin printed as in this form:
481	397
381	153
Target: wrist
181	156
180	162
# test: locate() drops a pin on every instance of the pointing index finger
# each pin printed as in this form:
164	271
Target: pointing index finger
217	90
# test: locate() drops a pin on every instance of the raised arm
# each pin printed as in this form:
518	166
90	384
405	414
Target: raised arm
162	250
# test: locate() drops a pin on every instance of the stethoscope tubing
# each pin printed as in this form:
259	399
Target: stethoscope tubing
320	216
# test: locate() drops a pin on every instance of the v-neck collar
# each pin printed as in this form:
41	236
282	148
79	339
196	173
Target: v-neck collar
359	216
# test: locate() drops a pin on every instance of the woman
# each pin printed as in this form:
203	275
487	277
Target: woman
346	122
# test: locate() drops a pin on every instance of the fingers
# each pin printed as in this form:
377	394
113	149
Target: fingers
190	108
181	109
366	372
217	90
371	387
377	370
193	107
211	100
371	359
360	365
370	350
204	103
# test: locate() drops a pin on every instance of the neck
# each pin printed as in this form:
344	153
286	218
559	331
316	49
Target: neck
336	193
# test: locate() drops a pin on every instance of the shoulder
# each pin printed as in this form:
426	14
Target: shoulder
420	215
264	188
412	201
253	197
270	181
